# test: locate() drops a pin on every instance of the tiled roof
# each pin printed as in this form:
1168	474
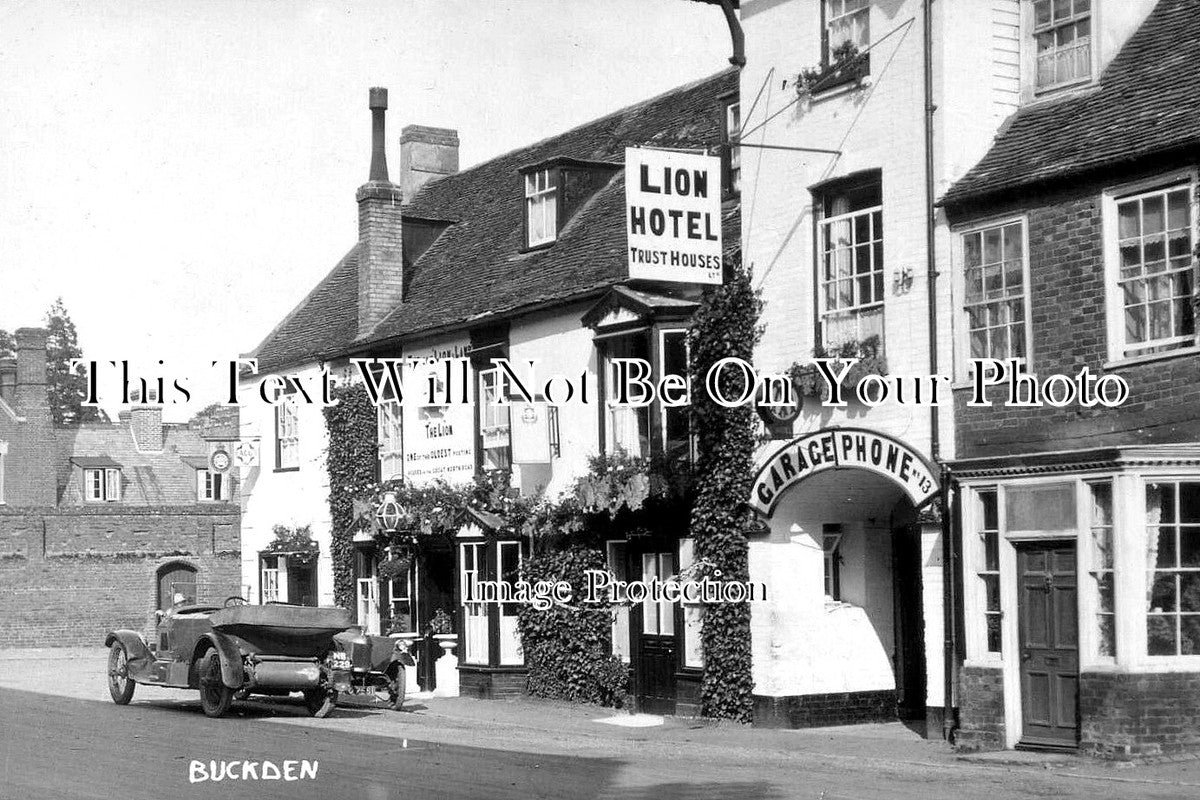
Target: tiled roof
324	320
1144	104
476	268
160	478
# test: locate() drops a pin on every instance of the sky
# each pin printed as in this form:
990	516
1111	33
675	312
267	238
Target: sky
183	173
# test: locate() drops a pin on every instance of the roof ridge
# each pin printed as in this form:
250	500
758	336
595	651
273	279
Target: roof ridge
684	87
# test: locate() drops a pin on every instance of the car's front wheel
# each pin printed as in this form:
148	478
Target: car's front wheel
120	685
215	696
320	702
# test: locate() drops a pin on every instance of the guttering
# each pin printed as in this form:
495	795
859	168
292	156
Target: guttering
949	595
738	59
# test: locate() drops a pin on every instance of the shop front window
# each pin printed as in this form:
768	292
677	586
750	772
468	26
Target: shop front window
1102	566
1173	568
475	621
988	531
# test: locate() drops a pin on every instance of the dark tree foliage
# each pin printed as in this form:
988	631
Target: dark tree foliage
67	387
8	345
726	325
351	462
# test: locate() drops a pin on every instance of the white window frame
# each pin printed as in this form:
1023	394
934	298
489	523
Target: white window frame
1152	570
271	588
1118	348
541	203
616	552
287	434
205	480
475	638
837	15
495	420
856	308
391	440
958	254
1052	28
102	485
508	613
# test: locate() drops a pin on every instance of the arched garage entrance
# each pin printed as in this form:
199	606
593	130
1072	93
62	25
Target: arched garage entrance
843	637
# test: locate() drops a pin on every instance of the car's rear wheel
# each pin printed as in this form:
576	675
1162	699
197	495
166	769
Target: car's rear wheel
120	685
396	687
320	702
215	696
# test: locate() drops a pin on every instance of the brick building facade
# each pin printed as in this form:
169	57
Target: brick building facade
101	525
1074	248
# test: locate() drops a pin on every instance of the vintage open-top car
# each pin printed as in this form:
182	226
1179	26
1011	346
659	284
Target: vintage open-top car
233	651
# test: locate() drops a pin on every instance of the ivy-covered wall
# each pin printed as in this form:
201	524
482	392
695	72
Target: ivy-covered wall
726	325
352	462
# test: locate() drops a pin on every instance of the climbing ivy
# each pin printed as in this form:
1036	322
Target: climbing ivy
351	462
726	325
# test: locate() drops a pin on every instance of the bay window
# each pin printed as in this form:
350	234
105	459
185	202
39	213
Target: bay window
1173	568
987	521
1101	525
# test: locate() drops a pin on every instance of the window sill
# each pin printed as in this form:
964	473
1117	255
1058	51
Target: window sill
1048	92
533	248
1133	361
842	86
287	469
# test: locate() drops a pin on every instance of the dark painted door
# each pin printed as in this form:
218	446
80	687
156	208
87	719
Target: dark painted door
909	657
1046	586
657	652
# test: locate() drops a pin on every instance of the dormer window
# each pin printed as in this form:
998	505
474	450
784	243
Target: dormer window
1062	33
541	206
102	485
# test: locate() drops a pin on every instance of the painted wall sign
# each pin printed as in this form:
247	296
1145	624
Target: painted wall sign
842	448
439	441
673	215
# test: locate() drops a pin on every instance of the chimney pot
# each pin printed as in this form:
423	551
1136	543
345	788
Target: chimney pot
377	97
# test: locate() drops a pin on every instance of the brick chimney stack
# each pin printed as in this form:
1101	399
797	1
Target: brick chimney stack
147	426
380	254
32	397
425	154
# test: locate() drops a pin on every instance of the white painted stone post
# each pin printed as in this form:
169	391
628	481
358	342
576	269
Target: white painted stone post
446	668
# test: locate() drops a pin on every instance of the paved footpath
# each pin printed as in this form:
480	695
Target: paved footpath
676	758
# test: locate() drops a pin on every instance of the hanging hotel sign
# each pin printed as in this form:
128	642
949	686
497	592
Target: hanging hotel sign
439	440
842	448
673	215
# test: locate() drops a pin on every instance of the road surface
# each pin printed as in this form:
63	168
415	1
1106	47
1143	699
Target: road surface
66	748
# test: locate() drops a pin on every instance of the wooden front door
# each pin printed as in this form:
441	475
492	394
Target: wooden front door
1049	653
657	658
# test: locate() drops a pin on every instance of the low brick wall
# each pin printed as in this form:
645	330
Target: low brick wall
489	683
815	710
1125	716
980	709
68	576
